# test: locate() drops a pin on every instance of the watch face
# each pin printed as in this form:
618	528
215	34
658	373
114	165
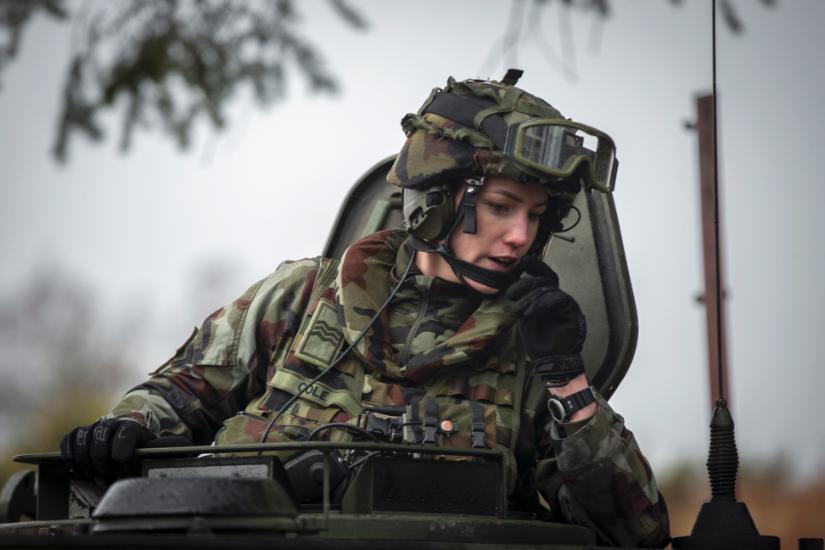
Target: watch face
557	410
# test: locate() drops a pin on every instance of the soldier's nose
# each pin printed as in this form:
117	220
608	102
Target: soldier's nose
517	234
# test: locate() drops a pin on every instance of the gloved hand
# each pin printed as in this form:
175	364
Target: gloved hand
97	450
551	323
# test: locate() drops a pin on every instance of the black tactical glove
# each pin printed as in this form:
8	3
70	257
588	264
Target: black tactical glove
99	449
551	323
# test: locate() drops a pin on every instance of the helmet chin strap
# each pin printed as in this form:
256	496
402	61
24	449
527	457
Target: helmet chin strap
498	280
466	215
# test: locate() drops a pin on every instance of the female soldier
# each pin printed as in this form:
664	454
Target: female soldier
442	320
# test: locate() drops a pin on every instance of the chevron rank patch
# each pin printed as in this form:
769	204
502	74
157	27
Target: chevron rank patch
323	337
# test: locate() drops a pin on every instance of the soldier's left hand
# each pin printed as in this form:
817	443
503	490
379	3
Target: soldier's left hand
552	326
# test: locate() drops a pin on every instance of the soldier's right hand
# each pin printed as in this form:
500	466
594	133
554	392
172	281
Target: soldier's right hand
97	450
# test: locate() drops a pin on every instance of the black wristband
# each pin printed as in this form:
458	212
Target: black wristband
562	408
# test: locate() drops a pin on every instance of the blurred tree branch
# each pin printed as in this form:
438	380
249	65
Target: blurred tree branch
171	63
604	8
525	24
14	16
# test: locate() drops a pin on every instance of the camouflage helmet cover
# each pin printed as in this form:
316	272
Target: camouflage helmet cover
439	149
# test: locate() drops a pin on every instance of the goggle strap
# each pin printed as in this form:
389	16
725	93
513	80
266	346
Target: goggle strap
506	104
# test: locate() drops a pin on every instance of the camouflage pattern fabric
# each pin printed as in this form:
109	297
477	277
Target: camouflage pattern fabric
438	347
439	149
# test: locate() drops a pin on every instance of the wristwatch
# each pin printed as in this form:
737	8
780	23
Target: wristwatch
562	408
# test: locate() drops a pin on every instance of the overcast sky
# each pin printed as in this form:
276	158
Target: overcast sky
145	227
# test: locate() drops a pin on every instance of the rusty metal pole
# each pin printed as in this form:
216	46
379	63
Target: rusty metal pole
714	310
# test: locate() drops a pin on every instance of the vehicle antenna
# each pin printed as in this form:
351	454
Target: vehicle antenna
722	523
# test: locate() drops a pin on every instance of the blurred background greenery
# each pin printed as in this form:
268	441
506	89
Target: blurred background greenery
62	363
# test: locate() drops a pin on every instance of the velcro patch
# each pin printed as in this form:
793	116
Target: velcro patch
322	338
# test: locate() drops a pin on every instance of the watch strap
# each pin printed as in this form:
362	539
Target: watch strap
562	408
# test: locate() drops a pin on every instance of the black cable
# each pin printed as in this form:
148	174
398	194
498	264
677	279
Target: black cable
578	219
341	355
341	426
363	459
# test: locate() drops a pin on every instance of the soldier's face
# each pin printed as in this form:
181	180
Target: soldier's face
507	221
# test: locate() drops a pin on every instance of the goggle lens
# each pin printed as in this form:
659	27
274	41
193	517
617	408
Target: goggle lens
558	149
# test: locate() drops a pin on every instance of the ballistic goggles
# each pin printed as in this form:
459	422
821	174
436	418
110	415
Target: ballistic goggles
552	147
561	147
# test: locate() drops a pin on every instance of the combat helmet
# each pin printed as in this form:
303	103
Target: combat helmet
474	129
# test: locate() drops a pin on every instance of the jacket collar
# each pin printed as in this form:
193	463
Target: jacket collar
367	271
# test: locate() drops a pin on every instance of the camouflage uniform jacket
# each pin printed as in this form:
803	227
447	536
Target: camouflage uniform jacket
438	349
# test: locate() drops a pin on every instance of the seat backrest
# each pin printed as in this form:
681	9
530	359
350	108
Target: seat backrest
589	259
